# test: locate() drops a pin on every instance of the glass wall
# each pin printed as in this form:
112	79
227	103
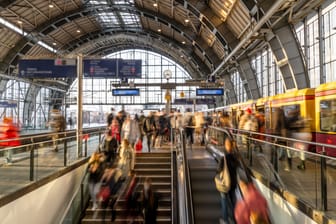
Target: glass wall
152	95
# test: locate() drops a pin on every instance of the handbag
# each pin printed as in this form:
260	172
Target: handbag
104	193
138	145
222	179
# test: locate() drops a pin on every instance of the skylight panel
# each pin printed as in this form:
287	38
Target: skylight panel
130	19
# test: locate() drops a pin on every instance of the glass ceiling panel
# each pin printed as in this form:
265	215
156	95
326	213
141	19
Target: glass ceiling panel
116	18
130	19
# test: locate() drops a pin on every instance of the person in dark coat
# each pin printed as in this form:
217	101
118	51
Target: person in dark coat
149	202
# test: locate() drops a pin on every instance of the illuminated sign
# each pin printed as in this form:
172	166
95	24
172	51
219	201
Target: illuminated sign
47	68
210	92
125	92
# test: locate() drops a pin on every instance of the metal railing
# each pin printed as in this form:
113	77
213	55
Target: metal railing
313	185
185	199
35	159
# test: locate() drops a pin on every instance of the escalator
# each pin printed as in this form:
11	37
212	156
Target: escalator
206	199
157	166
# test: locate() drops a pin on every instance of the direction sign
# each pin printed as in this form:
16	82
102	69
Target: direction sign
100	68
210	92
125	92
129	68
47	68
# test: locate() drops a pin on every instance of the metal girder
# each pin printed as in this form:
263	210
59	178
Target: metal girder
137	36
46	28
229	89
287	55
275	7
29	104
248	78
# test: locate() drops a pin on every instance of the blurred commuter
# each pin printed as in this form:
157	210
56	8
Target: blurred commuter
248	123
126	158
260	116
110	117
141	121
252	208
70	122
110	148
114	129
225	121
95	170
199	124
130	130
189	126
149	129
299	128
149	202
57	124
9	132
228	197
112	178
278	128
162	126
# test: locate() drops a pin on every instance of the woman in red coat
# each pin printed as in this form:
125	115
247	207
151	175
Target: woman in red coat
9	134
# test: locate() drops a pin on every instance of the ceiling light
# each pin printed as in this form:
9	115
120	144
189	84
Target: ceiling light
159	30
54	43
19	22
78	31
155	4
51	6
183	42
181	56
186	20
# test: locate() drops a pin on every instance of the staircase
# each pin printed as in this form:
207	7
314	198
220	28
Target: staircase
157	166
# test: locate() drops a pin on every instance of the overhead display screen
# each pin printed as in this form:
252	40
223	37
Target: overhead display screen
129	68
125	92
100	68
210	92
112	68
48	68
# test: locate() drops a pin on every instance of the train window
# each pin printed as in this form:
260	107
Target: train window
328	115
291	110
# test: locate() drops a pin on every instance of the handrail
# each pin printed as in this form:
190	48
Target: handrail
187	186
320	158
81	189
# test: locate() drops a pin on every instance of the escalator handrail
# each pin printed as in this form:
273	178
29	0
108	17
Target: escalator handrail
187	185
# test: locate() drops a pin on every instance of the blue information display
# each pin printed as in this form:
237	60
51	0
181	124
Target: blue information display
125	92
210	92
100	68
198	101
7	104
47	68
129	68
112	68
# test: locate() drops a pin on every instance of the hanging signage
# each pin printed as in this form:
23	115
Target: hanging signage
47	68
100	68
205	101
125	92
8	104
129	68
210	92
112	68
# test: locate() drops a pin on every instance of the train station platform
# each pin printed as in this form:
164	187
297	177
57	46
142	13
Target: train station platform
297	191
